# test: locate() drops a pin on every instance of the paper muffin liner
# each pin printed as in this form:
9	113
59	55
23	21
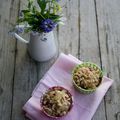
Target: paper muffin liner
58	88
91	65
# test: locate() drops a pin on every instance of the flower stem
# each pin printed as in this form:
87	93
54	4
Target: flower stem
42	16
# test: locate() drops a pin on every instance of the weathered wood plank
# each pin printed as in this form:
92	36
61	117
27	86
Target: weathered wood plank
68	35
43	67
108	12
25	77
24	81
89	46
27	74
62	39
8	14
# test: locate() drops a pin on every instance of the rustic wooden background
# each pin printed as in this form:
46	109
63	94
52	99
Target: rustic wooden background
91	33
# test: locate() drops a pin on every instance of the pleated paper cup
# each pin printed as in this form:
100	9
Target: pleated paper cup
90	65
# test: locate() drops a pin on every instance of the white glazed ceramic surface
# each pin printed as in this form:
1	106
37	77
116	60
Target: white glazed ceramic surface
42	46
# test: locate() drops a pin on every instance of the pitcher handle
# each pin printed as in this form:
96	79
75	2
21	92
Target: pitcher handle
20	38
19	29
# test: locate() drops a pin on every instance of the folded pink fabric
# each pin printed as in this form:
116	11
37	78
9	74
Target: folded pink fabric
60	75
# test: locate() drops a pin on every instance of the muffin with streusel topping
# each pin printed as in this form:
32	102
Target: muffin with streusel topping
87	77
56	102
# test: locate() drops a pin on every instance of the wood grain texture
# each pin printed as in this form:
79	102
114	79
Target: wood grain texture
91	33
89	46
108	13
43	67
27	74
68	35
8	15
25	77
24	81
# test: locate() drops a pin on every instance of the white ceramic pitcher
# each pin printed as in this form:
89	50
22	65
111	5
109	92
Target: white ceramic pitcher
41	46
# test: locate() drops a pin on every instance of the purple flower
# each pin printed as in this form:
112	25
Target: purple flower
47	25
20	30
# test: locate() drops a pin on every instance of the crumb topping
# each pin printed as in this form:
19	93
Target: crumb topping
87	77
56	102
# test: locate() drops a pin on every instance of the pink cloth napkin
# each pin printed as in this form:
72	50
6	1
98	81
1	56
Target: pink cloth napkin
60	75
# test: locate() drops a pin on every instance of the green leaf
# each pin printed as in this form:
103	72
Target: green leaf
54	17
34	16
34	9
20	20
28	29
42	4
25	11
30	3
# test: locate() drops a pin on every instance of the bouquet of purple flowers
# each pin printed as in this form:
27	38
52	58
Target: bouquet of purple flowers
43	18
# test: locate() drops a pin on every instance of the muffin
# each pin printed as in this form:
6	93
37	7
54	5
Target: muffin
56	102
87	77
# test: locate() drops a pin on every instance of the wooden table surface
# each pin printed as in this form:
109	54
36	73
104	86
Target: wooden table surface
91	33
